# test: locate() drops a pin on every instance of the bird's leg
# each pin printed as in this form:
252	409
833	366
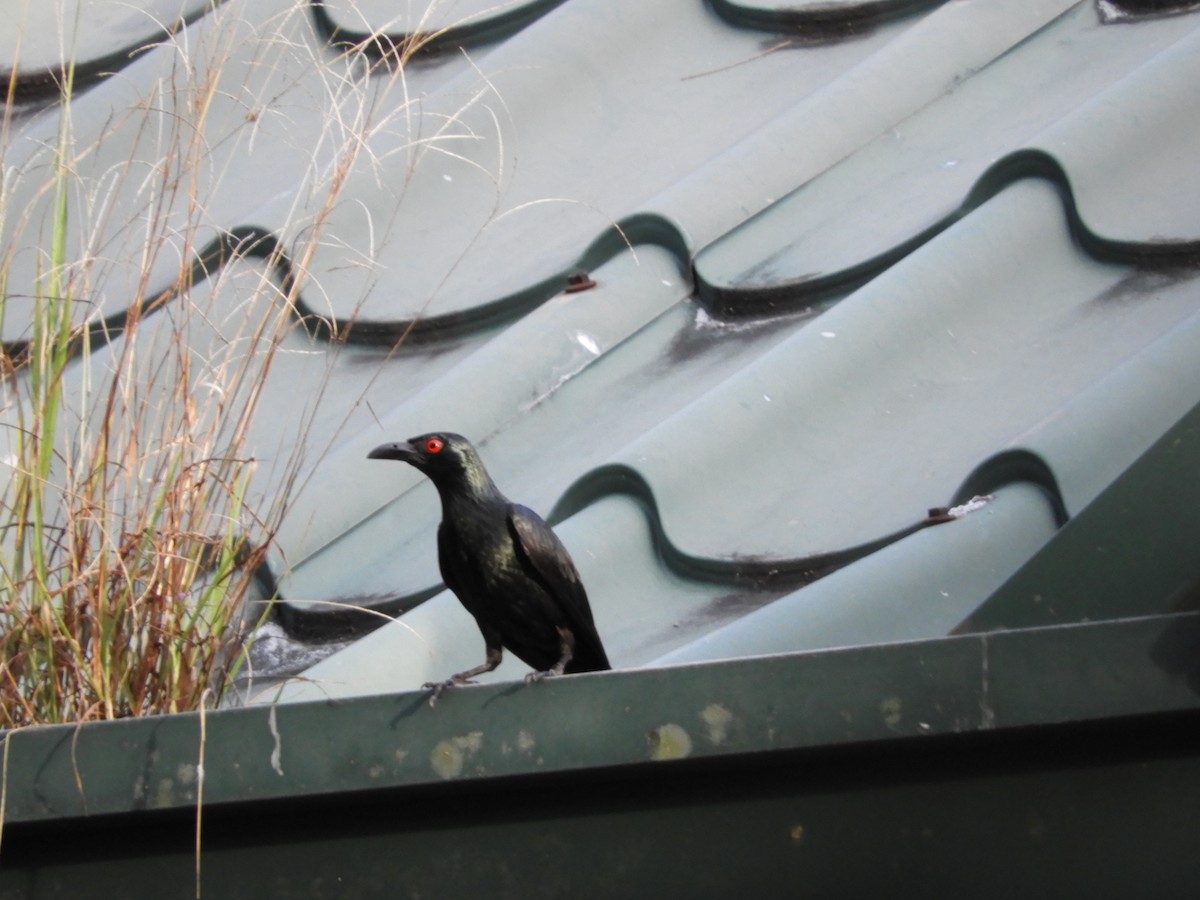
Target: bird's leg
566	646
494	655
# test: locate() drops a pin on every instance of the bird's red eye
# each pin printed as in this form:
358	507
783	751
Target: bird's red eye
434	445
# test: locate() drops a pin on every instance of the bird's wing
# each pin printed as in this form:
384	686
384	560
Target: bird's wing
547	559
542	552
446	562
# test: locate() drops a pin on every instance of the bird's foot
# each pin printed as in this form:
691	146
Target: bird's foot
534	677
440	686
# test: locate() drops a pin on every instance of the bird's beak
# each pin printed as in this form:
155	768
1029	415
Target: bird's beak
401	450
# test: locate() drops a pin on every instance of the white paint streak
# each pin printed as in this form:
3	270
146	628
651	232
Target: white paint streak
588	343
975	503
277	751
987	716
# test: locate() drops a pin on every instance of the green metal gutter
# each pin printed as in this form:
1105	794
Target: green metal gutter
970	757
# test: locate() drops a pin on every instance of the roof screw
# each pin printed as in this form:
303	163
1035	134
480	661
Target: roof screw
579	281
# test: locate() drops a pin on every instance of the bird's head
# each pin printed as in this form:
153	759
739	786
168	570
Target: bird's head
448	459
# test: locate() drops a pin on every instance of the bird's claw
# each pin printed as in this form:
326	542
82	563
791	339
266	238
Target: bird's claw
439	686
534	677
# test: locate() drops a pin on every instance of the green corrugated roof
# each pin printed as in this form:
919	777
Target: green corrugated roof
854	269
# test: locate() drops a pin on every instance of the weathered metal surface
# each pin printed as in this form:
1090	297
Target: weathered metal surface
917	689
1068	751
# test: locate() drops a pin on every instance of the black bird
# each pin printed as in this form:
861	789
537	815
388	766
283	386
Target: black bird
506	566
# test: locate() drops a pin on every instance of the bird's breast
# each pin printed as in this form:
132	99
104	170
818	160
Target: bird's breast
482	560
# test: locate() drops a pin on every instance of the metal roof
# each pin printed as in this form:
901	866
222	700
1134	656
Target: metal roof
851	261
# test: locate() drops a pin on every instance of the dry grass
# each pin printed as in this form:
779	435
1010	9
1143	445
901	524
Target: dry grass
127	545
129	524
